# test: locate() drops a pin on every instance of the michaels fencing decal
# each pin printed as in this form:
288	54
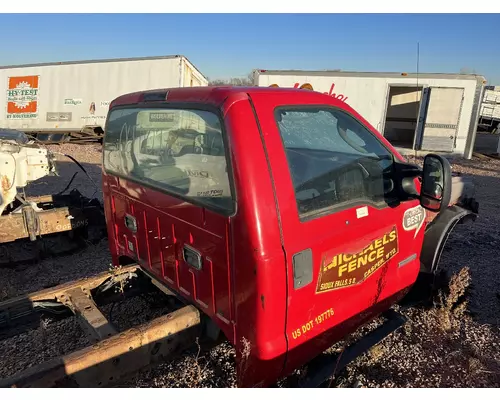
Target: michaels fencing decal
347	269
22	97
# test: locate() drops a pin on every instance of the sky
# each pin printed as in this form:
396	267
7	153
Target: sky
232	45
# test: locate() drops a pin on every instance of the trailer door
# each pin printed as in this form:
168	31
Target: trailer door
440	118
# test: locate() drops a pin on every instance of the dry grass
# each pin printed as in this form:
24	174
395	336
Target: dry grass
377	351
451	308
244	355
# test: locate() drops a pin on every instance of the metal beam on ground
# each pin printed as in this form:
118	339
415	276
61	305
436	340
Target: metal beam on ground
122	354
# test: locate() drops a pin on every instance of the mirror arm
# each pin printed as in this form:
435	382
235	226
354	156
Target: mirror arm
407	170
405	174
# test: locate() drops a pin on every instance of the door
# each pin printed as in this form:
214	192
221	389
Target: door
346	243
441	119
424	103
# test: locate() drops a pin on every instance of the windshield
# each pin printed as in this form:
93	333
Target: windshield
334	160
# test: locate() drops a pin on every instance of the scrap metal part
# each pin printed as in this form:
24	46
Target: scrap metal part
122	354
20	310
46	215
68	221
22	162
113	355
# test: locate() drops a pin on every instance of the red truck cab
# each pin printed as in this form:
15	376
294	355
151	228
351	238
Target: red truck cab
282	214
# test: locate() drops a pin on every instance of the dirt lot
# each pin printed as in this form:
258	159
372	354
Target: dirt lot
451	345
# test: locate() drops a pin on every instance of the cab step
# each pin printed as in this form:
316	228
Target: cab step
326	366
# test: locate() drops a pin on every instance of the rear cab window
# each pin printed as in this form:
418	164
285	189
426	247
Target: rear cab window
176	151
335	162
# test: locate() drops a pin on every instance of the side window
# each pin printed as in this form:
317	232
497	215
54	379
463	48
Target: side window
180	151
335	162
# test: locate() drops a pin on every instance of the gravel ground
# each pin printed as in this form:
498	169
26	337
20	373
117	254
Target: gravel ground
440	347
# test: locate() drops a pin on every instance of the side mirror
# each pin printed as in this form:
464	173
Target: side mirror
435	193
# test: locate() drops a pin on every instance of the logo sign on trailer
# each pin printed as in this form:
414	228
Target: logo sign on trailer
22	97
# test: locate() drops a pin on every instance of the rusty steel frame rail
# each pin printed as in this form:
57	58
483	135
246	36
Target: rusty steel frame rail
19	226
59	213
113	355
58	218
122	354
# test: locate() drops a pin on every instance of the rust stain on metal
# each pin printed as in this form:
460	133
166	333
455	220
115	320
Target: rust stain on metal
6	185
13	227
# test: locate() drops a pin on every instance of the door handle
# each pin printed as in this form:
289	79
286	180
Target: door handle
131	223
192	257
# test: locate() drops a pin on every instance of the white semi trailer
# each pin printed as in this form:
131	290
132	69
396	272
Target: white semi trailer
424	112
75	96
489	116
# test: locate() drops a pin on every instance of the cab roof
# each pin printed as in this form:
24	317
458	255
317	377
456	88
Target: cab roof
213	95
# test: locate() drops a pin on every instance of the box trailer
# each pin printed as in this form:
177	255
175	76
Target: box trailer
489	116
75	96
424	112
488	130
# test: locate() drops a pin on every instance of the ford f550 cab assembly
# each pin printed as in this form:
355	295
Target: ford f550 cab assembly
279	219
281	214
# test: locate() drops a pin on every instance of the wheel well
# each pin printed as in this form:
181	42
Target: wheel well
437	234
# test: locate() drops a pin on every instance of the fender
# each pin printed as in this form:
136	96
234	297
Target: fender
437	234
435	237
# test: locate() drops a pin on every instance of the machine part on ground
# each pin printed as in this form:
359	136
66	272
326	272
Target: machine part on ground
24	161
70	220
112	354
20	313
